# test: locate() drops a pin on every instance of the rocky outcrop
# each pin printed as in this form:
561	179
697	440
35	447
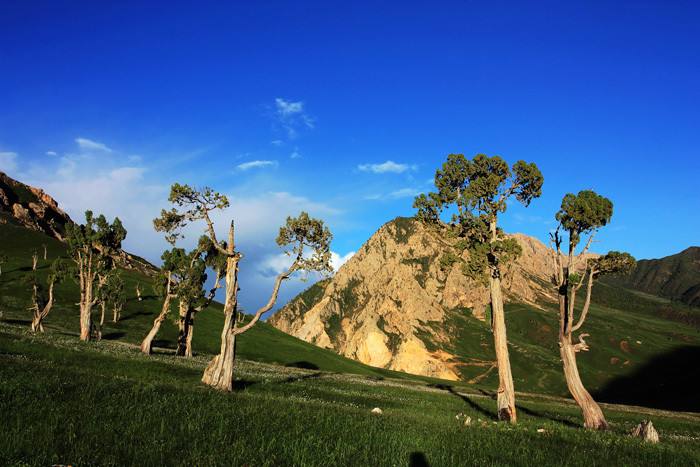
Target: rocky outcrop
31	208
385	307
34	209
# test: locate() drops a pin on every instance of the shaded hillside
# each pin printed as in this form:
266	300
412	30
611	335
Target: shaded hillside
402	302
676	277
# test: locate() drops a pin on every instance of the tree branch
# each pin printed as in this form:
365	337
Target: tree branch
587	304
581	346
270	303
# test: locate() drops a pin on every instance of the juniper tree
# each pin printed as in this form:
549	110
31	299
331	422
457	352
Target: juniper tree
477	191
43	298
185	274
580	215
111	293
297	236
92	246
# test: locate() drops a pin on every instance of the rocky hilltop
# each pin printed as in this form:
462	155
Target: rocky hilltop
34	209
386	306
31	208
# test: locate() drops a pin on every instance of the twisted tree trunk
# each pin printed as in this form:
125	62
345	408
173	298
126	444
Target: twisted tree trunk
147	344
219	372
184	329
593	417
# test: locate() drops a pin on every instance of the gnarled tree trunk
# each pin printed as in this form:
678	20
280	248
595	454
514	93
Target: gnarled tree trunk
593	417
147	344
184	329
219	372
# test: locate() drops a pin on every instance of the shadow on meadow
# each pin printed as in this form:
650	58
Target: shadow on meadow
668	381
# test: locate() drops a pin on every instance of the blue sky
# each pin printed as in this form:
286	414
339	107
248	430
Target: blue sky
294	105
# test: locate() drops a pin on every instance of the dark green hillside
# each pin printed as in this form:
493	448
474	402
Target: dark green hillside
676	277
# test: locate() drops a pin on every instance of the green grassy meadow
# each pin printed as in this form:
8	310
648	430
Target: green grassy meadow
104	403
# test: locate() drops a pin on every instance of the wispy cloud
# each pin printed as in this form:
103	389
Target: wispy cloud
386	167
292	117
295	154
396	194
8	161
90	145
256	165
51	153
277	142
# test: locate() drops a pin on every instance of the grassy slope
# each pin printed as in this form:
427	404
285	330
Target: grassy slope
263	342
66	402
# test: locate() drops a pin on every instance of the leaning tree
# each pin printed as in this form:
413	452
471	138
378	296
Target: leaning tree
306	240
93	246
183	276
477	191
43	297
580	215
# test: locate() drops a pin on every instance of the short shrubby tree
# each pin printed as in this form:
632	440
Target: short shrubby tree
43	296
581	214
306	240
92	246
478	190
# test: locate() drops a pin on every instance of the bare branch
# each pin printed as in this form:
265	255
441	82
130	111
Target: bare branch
581	346
587	303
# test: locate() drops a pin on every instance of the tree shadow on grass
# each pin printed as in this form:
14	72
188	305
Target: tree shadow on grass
417	459
465	398
23	322
667	381
294	379
111	336
134	315
303	364
553	418
242	384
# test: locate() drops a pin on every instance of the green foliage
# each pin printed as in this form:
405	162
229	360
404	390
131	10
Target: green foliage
112	291
479	190
194	204
614	262
583	213
304	231
97	237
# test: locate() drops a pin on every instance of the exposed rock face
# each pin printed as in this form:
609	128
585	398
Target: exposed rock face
380	305
34	209
31	208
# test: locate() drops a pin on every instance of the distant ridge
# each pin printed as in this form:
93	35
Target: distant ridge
676	277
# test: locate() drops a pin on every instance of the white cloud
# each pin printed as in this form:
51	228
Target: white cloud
256	165
286	108
337	261
51	153
295	154
8	161
90	145
386	167
396	194
277	142
292	117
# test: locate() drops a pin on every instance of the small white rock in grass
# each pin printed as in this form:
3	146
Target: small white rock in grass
377	411
639	342
541	430
646	431
466	420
